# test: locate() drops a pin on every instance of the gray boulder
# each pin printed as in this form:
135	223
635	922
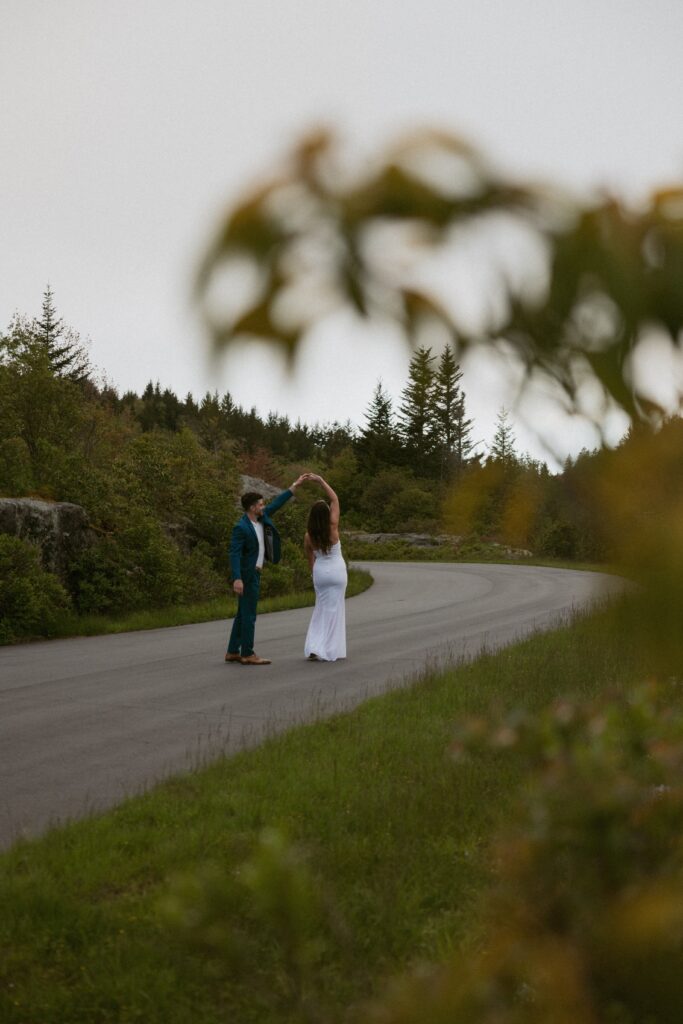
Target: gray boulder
252	483
58	528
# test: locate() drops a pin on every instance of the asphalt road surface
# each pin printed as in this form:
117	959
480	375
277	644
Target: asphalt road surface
87	722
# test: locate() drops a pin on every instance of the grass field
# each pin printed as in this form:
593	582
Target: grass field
288	883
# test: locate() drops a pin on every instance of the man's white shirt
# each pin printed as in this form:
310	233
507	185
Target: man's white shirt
261	544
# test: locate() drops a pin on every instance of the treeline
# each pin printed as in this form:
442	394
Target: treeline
416	467
161	501
257	442
159	476
419	468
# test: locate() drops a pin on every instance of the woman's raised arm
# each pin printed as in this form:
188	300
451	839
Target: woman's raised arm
335	510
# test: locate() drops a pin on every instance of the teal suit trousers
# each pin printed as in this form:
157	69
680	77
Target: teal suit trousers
242	633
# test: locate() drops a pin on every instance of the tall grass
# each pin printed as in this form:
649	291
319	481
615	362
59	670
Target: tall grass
184	905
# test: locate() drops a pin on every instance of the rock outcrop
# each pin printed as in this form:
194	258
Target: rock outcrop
428	540
420	540
59	529
252	483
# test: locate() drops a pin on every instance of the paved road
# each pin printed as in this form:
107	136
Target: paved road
86	722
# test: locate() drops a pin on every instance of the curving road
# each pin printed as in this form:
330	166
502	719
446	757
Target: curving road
86	722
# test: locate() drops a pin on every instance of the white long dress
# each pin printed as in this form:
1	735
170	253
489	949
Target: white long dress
326	637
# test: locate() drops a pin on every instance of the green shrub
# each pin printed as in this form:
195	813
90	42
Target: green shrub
31	599
103	579
140	567
555	539
199	580
393	501
394	551
174	480
290	575
15	467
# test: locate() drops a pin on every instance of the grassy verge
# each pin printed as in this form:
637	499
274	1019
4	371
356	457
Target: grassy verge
176	908
221	608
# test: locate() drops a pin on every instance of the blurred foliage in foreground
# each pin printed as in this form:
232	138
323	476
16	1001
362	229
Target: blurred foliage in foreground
585	918
576	292
572	289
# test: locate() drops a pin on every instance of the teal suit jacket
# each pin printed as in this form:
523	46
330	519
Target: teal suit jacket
244	542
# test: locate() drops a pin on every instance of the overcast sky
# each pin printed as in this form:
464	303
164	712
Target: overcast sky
129	127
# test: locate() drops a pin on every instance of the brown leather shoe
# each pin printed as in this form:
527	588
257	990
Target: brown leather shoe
253	659
233	657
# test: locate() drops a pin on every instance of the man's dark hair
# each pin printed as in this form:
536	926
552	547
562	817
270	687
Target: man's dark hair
249	499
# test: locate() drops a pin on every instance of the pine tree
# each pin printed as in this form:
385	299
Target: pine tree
210	421
171	409
452	428
416	423
377	444
150	414
65	354
379	414
503	447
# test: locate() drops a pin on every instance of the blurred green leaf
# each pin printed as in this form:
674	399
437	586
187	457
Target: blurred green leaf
633	258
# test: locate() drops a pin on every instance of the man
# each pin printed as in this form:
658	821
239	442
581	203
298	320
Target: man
254	541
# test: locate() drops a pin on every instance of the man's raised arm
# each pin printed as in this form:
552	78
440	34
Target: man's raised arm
280	499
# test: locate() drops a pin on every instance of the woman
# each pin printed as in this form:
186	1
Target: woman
326	637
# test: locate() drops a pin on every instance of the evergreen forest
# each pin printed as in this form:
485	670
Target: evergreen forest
158	476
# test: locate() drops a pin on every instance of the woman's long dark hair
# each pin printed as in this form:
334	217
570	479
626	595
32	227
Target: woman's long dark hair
319	526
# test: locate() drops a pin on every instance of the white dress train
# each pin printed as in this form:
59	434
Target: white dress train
326	637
